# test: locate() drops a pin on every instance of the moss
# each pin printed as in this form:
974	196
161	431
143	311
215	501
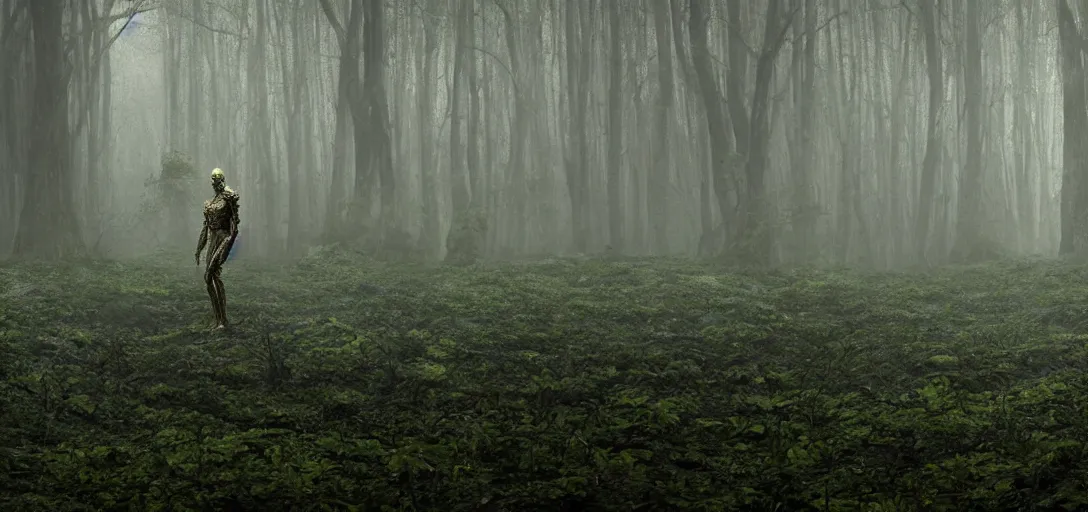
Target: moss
561	384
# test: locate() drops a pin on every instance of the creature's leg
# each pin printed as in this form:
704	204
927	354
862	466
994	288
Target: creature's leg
222	296
209	280
219	297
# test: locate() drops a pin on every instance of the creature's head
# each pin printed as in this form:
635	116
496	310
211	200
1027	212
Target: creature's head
219	182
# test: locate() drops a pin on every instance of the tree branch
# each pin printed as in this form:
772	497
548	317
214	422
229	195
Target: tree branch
777	45
822	25
131	15
132	12
210	28
336	26
426	12
493	56
104	21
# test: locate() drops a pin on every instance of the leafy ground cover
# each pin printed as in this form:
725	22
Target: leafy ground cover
555	385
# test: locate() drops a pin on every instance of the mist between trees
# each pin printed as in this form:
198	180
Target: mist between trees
870	133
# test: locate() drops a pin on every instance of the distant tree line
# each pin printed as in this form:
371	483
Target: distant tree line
872	133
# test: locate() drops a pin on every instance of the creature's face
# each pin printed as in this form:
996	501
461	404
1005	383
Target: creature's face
219	182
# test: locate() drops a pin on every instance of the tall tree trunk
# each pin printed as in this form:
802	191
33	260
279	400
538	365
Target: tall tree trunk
298	132
638	164
1027	228
519	124
755	228
576	171
48	226
897	205
803	169
363	191
105	125
736	79
174	114
722	151
615	128
1075	164
430	238
932	159
88	94
472	138
661	172
459	193
846	222
259	137
347	83
196	85
970	224
372	128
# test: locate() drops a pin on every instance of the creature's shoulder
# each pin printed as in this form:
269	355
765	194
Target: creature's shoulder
230	195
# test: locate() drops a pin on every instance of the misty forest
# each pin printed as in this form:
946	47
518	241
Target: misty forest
554	255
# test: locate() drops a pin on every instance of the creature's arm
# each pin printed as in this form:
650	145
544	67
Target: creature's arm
234	220
232	201
203	240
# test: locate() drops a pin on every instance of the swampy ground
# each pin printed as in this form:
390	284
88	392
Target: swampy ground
349	384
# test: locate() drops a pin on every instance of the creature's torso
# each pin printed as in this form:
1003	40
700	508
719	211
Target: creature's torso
221	209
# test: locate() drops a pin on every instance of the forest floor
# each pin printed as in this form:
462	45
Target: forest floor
556	385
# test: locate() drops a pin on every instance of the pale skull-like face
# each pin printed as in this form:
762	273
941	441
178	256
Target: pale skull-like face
218	180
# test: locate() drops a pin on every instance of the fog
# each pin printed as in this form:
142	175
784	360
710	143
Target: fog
877	134
543	255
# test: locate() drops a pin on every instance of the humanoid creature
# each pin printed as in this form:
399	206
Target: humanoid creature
218	233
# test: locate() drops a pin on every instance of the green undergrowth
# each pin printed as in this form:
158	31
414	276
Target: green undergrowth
348	384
